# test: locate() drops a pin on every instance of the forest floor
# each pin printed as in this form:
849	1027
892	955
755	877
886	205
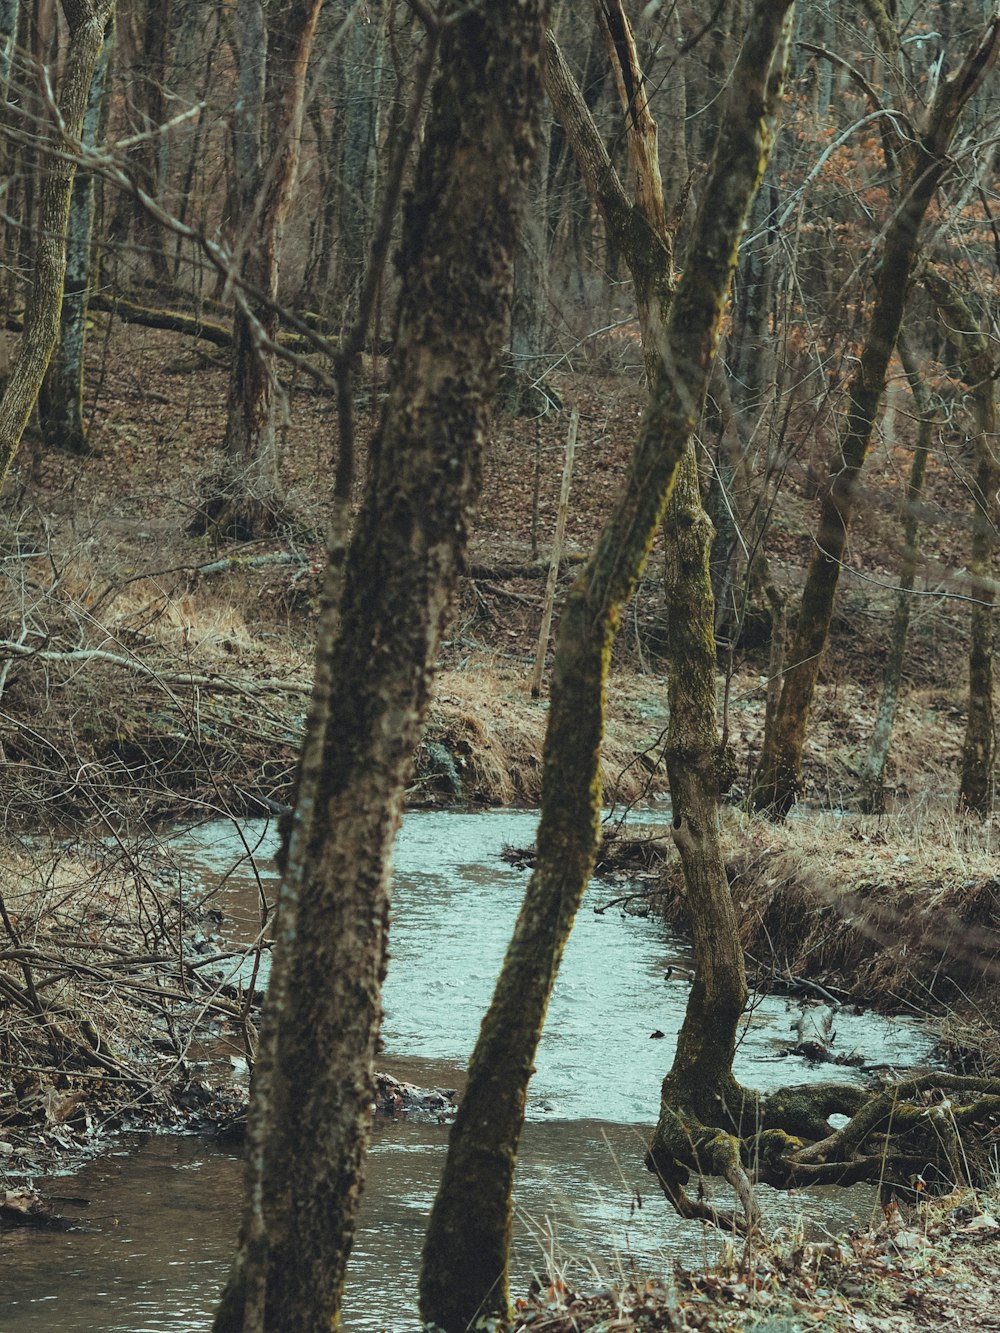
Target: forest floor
149	680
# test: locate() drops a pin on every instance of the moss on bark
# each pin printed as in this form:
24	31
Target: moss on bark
377	646
464	1278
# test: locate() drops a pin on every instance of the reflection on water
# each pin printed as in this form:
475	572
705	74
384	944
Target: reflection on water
162	1222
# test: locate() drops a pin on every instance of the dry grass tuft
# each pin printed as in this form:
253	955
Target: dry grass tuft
905	909
486	718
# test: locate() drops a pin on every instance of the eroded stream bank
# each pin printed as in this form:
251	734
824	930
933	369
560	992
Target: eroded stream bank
162	1218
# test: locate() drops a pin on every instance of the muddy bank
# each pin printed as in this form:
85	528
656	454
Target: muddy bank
95	737
897	914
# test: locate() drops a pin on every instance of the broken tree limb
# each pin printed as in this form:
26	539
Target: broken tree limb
176	321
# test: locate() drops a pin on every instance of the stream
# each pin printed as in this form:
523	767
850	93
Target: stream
158	1235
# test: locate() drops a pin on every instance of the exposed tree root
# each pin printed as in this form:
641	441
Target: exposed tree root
933	1132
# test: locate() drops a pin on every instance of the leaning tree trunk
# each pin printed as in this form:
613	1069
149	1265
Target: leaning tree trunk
86	21
776	781
60	405
310	1111
872	784
464	1275
976	787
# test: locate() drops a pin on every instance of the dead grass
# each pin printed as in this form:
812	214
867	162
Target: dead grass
108	997
934	1267
486	718
903	910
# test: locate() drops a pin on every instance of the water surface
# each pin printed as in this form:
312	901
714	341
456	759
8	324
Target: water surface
163	1216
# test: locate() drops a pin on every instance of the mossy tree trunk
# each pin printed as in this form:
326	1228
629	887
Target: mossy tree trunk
86	21
247	501
464	1276
871	794
60	404
977	782
925	161
378	642
700	1088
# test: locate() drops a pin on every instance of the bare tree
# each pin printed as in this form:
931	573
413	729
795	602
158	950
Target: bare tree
275	46
378	642
923	155
465	1263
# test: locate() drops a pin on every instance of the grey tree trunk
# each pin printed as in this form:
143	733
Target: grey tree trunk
377	646
60	405
974	347
872	778
361	70
86	22
523	391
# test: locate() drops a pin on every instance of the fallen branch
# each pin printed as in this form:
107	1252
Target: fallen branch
174	679
176	321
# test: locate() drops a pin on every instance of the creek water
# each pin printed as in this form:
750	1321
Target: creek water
157	1237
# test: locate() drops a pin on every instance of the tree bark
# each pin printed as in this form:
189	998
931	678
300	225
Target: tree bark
464	1276
872	786
310	1110
776	781
60	406
700	1087
977	783
247	500
86	21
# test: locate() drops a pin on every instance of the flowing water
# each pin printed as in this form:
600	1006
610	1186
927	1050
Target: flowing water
163	1212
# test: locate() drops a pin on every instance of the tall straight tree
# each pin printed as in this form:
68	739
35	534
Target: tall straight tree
378	641
924	159
86	21
60	406
275	44
976	357
871	792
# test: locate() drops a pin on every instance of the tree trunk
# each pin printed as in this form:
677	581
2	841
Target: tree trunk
247	500
777	778
522	389
464	1276
60	406
86	21
10	18
310	1110
976	787
361	72
700	1087
872	786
